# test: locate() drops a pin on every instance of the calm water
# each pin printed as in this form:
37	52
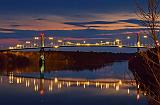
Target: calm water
104	86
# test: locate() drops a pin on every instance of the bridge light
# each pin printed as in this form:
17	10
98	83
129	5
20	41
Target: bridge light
50	38
145	36
35	44
69	42
36	38
60	41
28	42
11	47
56	46
107	42
88	44
128	37
19	46
84	42
97	44
78	44
117	40
138	44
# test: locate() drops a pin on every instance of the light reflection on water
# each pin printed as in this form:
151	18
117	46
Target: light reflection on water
106	86
95	92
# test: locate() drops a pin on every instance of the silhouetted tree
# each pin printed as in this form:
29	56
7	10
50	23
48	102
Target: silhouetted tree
148	11
149	77
149	14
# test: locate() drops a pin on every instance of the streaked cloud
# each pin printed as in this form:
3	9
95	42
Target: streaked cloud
54	22
69	19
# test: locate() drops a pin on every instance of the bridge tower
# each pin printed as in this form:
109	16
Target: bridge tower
42	40
138	41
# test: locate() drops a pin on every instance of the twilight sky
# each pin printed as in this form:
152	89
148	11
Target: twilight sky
21	19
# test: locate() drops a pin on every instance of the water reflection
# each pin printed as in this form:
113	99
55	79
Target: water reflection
42	63
84	87
62	88
42	85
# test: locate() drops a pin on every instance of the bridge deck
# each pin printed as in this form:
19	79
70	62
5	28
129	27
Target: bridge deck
61	46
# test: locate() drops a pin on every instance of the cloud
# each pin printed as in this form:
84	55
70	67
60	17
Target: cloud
58	22
40	19
7	31
109	25
83	24
38	24
133	21
67	18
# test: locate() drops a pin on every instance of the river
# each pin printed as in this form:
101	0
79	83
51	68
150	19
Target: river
109	85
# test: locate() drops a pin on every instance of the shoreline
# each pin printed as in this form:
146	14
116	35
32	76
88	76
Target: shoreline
60	60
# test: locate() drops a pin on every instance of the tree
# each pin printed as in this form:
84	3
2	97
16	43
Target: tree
148	72
149	13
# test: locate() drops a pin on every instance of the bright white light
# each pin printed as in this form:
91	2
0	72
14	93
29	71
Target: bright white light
36	38
50	38
60	41
28	42
128	37
145	36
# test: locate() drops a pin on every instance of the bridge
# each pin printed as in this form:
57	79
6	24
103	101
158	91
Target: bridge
41	42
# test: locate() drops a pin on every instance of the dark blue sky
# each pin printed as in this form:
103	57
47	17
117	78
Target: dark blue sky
22	19
64	7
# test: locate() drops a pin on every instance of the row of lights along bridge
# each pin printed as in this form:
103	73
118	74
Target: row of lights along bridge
54	42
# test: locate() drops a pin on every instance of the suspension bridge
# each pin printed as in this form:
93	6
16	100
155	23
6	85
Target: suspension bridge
41	42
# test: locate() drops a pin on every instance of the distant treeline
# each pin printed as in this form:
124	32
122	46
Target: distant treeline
59	60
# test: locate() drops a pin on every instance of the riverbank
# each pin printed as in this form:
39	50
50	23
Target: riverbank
60	60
